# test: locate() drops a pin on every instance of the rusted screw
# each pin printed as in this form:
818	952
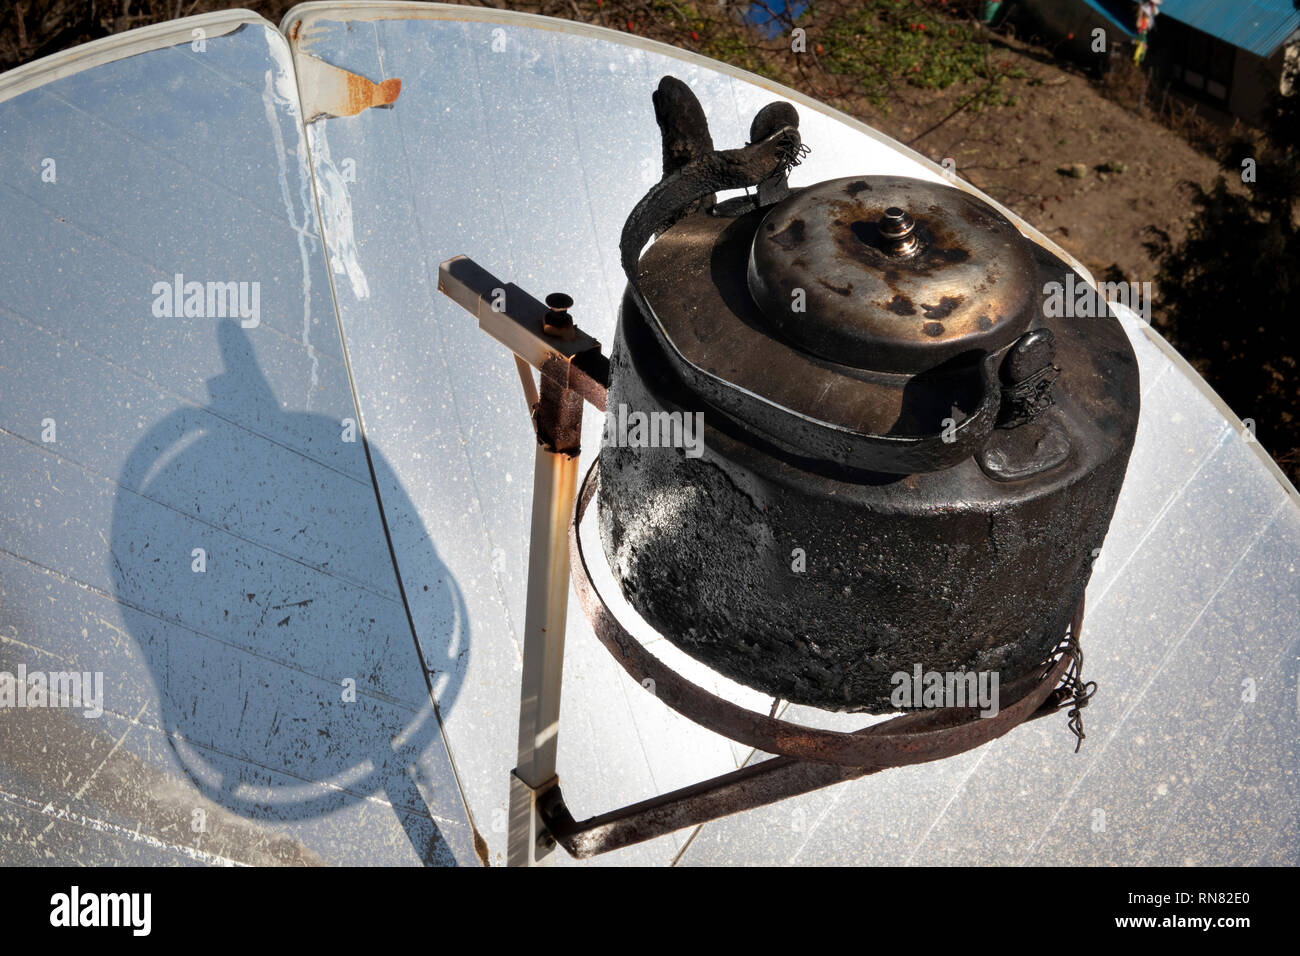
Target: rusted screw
557	322
896	226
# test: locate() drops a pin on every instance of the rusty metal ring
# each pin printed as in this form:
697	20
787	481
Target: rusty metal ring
914	737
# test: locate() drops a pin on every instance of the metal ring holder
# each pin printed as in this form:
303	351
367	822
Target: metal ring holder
915	737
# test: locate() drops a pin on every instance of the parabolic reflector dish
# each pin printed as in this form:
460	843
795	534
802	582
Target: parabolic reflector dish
273	487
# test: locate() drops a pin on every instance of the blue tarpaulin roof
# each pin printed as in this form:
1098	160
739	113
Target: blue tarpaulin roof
1110	9
1260	26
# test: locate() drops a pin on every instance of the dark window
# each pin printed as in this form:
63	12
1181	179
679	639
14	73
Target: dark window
1200	63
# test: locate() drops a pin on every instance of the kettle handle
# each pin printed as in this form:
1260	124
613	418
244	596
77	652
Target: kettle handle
764	161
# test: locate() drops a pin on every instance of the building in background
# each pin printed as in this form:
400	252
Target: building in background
1226	57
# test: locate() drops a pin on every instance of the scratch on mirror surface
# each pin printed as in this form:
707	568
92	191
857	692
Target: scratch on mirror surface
81	791
103	826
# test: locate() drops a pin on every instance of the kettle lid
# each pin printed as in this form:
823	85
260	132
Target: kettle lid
891	274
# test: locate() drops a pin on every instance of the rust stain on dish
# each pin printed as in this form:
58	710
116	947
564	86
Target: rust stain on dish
329	90
363	94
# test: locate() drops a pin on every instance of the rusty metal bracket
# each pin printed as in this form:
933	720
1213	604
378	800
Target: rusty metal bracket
757	785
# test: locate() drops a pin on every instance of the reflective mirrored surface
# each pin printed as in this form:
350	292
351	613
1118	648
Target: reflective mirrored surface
348	458
190	517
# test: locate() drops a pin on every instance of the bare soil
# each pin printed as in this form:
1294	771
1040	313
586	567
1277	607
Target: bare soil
1014	154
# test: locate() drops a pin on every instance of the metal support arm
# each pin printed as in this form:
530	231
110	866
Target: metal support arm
572	369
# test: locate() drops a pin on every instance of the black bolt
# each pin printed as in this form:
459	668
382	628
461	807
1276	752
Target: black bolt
557	321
